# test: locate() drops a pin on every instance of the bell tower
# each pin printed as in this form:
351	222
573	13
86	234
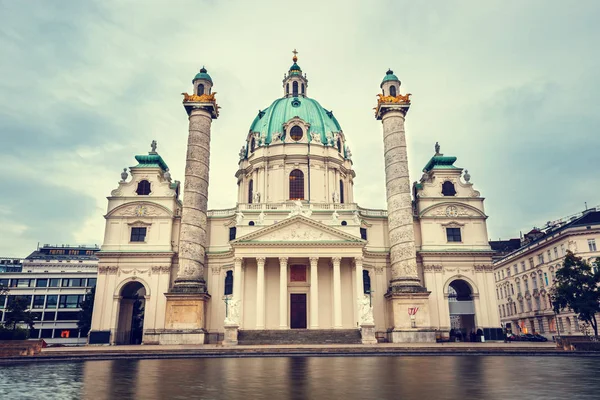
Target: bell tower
186	299
405	291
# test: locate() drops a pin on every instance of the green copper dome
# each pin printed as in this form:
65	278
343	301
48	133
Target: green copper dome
389	76
270	120
202	75
295	68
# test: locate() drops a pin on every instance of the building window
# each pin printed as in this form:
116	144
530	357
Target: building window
562	249
522	266
74	282
541	324
508	272
512	289
366	282
393	90
296	133
143	188
555	252
521	307
503	311
497	294
138	234
228	283
38	301
200	89
516	268
592	244
54	282
534	281
232	232
529	306
295	89
341	191
302	88
453	235
540	259
91	282
250	191
531	262
287	88
296	185
363	233
339	145
252	145
519	287
526	285
448	189
546	278
41	283
502	274
538	304
69	301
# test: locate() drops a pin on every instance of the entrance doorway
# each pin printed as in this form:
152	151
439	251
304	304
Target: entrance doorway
298	311
130	326
462	310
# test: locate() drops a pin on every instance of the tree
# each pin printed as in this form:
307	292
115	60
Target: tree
17	312
85	314
577	287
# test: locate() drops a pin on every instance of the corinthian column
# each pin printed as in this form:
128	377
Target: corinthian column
192	239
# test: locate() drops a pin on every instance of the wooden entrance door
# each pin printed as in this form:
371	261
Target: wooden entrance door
298	311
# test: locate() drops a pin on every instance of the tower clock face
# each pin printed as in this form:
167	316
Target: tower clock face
140	211
451	211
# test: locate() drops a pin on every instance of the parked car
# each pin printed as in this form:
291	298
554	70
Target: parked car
539	338
511	337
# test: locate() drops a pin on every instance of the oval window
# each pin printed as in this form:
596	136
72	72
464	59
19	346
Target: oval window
296	133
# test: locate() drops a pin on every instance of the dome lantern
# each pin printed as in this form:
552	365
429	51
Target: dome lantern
202	82
294	84
390	85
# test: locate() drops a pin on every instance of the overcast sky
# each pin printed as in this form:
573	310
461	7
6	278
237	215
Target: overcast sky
511	89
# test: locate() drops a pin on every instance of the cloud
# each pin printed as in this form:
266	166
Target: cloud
508	88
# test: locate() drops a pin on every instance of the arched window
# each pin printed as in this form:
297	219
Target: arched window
250	191
448	189
366	282
228	283
295	89
143	188
341	191
252	145
303	88
339	145
200	89
296	133
296	185
393	90
287	88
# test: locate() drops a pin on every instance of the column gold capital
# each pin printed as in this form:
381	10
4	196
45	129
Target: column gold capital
260	260
238	260
283	260
314	260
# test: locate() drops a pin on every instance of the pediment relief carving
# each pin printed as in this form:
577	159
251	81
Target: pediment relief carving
452	210
298	229
140	209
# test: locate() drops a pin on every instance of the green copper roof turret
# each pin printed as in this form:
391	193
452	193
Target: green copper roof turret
389	76
151	161
440	162
202	75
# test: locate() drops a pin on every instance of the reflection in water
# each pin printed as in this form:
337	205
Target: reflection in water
446	377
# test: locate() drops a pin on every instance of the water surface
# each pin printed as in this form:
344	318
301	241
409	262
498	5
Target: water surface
425	377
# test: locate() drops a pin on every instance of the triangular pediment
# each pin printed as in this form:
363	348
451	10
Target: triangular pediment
299	229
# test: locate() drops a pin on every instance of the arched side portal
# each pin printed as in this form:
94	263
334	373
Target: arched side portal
130	324
462	310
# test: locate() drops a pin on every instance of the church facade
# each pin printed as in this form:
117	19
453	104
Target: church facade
296	253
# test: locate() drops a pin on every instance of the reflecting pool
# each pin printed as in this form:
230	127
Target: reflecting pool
425	377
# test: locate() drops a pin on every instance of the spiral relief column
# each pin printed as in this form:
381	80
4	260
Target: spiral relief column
185	316
405	290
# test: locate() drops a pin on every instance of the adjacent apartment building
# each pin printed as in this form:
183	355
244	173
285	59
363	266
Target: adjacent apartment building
54	279
524	276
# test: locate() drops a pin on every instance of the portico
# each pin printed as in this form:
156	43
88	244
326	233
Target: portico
272	280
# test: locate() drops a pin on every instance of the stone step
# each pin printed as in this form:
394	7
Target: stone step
299	336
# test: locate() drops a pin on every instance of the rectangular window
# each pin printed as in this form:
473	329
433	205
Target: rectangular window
522	266
47	333
502	274
38	301
363	233
41	283
519	287
592	244
453	234
2	301
13	283
69	301
73	282
546	278
232	232
4	283
562	249
49	316
555	252
549	256
91	282
534	280
541	325
54	282
67	316
138	234
540	259
531	262
516	268
526	285
24	282
51	301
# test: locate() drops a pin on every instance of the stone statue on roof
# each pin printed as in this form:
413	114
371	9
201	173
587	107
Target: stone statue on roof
437	148
153	146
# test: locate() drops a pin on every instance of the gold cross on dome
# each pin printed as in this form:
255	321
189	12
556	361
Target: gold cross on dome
295	58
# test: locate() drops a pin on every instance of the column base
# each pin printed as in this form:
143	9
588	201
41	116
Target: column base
185	318
231	335
404	326
189	286
367	334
